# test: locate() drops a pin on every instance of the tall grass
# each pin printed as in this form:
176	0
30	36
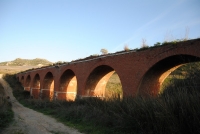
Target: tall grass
18	91
175	111
169	113
114	87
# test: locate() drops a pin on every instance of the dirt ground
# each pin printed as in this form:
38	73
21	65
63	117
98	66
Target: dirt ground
28	121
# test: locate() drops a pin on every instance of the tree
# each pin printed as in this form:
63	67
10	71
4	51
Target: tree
126	47
144	44
157	44
104	51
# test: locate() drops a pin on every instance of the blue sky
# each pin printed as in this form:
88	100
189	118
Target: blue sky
65	30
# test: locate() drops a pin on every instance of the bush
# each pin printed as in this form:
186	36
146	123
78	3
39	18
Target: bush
157	44
6	114
18	90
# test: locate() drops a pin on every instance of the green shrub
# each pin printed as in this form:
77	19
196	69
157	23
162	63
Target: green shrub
18	90
157	44
6	114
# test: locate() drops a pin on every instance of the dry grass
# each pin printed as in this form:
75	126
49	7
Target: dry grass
14	69
26	62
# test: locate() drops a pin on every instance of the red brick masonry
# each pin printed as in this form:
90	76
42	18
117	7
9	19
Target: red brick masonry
141	72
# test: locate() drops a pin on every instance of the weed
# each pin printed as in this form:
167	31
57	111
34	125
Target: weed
157	44
6	114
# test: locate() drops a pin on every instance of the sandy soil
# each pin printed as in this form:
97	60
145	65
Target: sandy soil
28	121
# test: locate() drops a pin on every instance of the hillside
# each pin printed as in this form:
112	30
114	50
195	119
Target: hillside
26	62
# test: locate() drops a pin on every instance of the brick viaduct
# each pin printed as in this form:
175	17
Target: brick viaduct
141	72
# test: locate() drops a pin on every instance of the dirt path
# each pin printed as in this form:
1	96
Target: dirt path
27	121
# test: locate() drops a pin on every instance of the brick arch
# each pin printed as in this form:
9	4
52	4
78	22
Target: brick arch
155	76
97	80
35	86
48	86
27	84
133	68
67	89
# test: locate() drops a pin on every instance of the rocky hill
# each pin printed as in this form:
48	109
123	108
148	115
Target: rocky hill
26	62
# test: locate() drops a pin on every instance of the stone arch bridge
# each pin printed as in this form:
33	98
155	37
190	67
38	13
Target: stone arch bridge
141	72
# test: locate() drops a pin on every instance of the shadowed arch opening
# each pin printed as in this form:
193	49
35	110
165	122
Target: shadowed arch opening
36	86
67	86
27	83
155	76
48	86
22	80
97	82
